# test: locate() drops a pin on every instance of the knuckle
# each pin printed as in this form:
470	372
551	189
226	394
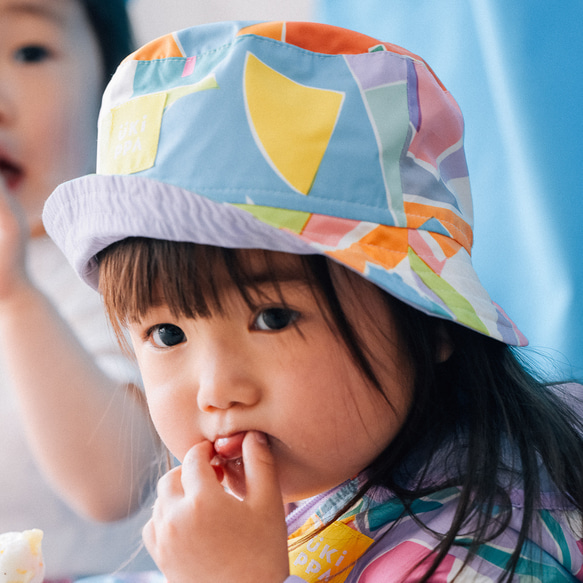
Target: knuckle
167	482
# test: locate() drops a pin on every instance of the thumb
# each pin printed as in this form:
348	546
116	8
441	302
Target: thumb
262	483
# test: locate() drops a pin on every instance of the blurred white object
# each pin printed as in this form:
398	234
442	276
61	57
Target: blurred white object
153	18
21	558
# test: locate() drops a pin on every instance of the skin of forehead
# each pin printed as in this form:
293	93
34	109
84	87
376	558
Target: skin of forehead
51	10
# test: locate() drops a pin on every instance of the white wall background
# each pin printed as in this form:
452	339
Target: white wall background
153	18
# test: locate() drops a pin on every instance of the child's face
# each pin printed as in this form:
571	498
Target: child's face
51	79
281	371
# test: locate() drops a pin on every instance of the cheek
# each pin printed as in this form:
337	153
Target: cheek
172	406
169	420
59	147
161	396
362	414
63	124
76	135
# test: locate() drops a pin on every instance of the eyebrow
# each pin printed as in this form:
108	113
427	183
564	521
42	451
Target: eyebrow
40	9
267	278
263	275
264	278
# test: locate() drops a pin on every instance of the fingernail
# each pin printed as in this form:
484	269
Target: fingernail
260	437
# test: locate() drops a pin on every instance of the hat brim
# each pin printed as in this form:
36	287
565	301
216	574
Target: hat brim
426	270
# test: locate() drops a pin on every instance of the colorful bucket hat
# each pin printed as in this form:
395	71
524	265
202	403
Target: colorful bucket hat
290	136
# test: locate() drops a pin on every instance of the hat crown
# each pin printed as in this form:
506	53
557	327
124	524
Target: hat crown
299	116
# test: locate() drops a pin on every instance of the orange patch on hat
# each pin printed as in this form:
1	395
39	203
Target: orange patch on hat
274	30
418	214
329	40
385	246
161	48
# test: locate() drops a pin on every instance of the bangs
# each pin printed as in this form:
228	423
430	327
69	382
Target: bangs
137	274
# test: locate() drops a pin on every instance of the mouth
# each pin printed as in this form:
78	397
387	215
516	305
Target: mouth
228	463
231	447
11	172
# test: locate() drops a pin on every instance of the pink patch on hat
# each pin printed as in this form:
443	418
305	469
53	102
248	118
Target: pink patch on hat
441	115
423	250
189	66
327	230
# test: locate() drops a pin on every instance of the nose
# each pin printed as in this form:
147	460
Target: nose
226	378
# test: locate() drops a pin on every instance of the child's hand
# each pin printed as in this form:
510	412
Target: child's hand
13	237
201	534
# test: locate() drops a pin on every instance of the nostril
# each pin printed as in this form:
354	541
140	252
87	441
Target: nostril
210	402
227	390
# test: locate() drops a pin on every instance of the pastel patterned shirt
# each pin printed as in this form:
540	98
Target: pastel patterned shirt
377	541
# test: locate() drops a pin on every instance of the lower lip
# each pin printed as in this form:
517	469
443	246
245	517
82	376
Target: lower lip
12	179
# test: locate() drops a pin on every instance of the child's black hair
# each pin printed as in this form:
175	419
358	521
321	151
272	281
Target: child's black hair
110	22
496	427
479	420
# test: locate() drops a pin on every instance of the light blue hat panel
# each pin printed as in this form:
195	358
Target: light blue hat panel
210	37
166	74
227	150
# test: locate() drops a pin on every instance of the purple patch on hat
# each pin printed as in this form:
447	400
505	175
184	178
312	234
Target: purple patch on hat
454	166
413	96
377	69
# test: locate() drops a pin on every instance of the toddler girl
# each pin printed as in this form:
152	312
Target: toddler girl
282	221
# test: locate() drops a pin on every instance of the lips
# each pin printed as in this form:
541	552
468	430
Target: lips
231	447
11	172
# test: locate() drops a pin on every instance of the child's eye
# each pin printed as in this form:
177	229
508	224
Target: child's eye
165	335
31	54
274	319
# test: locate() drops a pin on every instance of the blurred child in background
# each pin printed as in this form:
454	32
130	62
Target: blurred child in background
75	439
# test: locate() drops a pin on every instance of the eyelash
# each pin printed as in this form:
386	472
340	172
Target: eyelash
292	318
32	54
276	312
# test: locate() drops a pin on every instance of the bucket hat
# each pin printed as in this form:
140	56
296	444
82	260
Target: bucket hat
289	136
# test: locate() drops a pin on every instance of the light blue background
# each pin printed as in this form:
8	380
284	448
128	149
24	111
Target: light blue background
516	69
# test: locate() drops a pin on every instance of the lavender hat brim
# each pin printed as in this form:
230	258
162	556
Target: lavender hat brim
86	215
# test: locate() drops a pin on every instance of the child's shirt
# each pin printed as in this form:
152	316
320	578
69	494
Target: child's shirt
554	553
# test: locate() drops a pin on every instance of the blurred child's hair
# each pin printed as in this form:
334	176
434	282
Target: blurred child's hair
110	22
500	423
